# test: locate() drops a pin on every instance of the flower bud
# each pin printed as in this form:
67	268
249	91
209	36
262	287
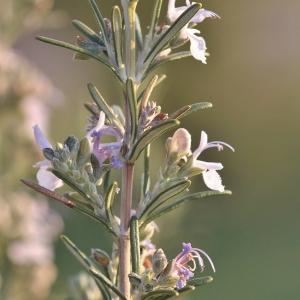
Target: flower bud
100	257
159	261
180	142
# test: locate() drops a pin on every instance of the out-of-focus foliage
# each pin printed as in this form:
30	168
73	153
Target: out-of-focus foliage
19	16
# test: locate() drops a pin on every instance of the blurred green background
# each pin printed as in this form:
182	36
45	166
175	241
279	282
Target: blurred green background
252	78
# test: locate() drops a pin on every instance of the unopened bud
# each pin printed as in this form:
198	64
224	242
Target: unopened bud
100	257
159	261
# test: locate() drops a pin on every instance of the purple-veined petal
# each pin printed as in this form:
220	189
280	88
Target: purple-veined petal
45	178
198	45
101	121
213	180
40	138
174	12
202	144
202	14
203	165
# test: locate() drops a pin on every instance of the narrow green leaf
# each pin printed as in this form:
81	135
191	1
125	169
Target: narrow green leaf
49	194
109	199
132	103
160	294
170	57
97	219
104	290
155	17
69	203
146	174
106	179
161	78
182	201
103	105
200	281
91	108
100	19
85	261
87	31
78	200
81	257
188	109
186	289
148	91
151	135
135	245
71	184
169	192
172	31
96	166
138	33
117	23
107	282
80	51
84	152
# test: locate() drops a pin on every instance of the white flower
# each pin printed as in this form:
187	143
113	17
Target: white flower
45	178
198	45
210	175
180	145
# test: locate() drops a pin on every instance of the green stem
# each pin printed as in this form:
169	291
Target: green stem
124	239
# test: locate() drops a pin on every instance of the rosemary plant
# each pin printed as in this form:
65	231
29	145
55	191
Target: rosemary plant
135	269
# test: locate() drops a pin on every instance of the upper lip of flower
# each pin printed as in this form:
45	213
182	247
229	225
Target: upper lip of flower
108	150
204	144
45	178
40	138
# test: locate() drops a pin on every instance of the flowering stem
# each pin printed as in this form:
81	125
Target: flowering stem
124	240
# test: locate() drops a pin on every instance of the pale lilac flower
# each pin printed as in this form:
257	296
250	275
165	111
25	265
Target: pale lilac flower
45	178
180	144
186	261
106	151
210	176
198	45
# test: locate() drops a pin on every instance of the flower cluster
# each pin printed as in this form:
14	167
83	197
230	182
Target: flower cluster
176	273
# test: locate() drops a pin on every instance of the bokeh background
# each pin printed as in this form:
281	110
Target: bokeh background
253	80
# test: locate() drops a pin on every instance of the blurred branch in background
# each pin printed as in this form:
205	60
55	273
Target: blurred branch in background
28	227
19	16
